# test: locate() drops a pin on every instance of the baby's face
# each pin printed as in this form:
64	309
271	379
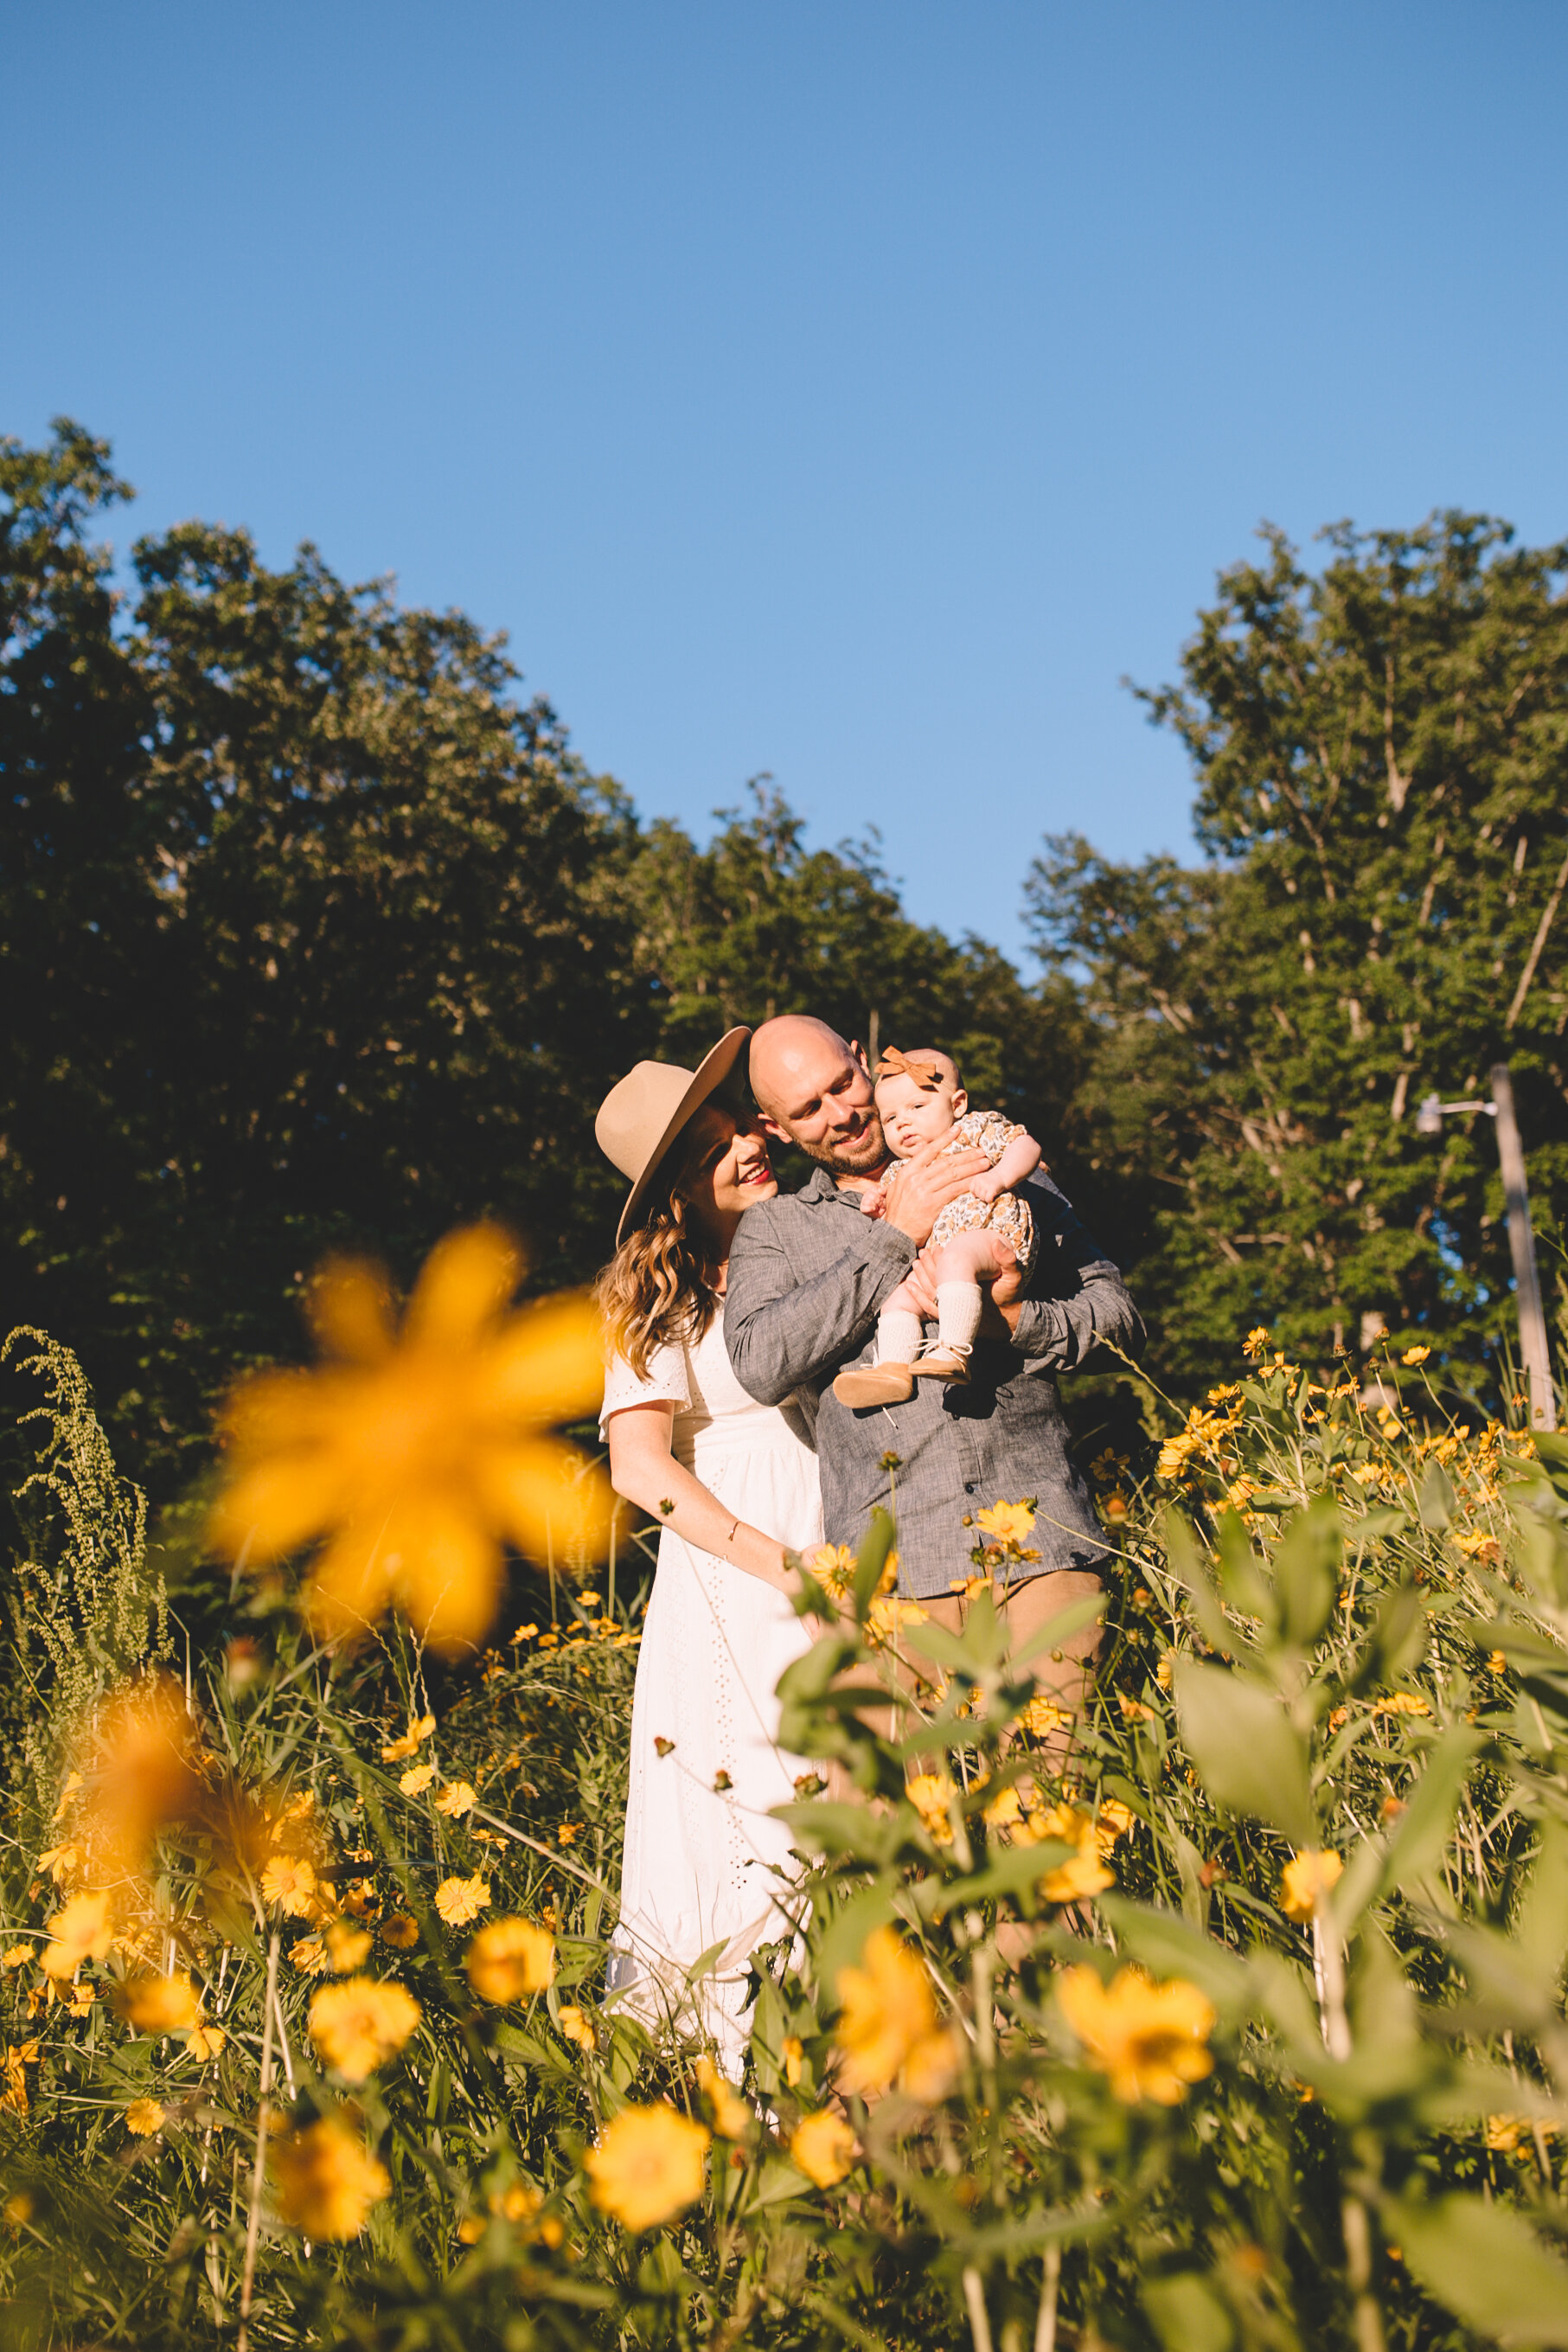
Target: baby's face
913	1115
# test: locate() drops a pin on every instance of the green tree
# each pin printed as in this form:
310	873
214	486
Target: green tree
1382	760
313	936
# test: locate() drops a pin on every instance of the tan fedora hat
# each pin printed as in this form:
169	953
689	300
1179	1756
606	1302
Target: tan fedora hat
639	1118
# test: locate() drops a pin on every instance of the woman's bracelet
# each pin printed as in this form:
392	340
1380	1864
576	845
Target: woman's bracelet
732	1525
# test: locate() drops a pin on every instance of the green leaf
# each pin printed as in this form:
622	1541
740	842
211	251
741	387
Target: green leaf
1188	2314
1244	1749
1170	1946
1540	1931
1306	1570
1397	1641
1438	1501
1486	2264
872	1559
1181	1551
1246	1587
1413	1847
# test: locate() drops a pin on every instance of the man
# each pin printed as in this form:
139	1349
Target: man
807	1273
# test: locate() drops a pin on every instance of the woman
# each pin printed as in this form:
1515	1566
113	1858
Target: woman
735	1483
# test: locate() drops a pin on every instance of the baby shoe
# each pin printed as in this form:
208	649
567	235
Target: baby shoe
869	1384
936	1363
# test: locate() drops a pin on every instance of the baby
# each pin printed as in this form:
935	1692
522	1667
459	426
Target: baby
982	1234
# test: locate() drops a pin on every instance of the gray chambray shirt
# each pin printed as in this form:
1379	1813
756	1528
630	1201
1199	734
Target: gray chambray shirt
807	1274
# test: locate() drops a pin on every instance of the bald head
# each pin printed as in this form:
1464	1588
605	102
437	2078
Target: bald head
813	1090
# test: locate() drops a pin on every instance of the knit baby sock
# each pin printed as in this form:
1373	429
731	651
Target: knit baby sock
897	1337
958	1314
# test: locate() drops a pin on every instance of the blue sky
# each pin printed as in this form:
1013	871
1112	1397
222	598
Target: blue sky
855	392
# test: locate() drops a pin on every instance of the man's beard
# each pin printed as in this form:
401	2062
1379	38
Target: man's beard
861	1157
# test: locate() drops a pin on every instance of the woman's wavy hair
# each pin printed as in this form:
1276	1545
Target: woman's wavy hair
659	1288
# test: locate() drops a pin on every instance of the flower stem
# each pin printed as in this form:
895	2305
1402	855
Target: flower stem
252	2227
1050	2286
975	2299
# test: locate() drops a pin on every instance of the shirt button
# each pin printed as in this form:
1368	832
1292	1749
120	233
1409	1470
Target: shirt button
969	1485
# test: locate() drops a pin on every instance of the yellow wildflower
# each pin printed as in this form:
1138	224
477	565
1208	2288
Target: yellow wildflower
887	1619
309	1956
347	1948
359	2025
1402	1703
823	2146
416	1780
1041	1716
510	1959
418	1731
1307	1880
416	1457
794	2056
144	2116
1005	1810
399	1931
1256	1342
1496	1665
79	1931
18	2209
1116	1818
62	1862
14	2098
458	1900
17	1956
457	1800
326	2182
732	2119
289	1881
647	2165
575	2025
1414	1355
930	1793
160	2004
204	2041
1008	1524
1475	1544
68	1788
1075	1881
1150	2040
888	2025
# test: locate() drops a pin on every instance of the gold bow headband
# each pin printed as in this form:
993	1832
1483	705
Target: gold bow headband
893	1064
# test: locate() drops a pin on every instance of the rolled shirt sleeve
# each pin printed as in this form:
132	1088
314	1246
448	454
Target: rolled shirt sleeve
782	1332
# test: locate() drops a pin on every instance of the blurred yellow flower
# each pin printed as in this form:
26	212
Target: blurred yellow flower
457	1800
1414	1355
574	2024
888	2025
416	1780
930	1793
79	1931
399	1931
359	2025
144	2116
347	1948
1075	1881
14	2098
1304	1879
289	1881
732	2119
18	2208
415	1457
160	2004
17	1956
794	2056
458	1900
823	2146
1041	1716
1496	1665
887	1620
396	1750
647	2165
1150	2040
325	2180
1402	1703
510	1959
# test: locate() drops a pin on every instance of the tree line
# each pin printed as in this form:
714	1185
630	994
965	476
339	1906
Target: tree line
314	934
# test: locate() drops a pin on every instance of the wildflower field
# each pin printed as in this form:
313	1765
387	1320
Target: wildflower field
1227	2013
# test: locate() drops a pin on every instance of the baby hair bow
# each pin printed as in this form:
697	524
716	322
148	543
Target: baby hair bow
894	1063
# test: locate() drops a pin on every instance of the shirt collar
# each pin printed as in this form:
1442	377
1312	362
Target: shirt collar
821	1186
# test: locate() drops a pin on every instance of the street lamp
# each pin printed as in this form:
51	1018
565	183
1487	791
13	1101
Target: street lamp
1429	1117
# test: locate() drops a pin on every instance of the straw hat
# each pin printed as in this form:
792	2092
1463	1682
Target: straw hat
639	1118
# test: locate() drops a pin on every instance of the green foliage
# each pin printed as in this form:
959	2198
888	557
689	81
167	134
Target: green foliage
1372	2157
1382	758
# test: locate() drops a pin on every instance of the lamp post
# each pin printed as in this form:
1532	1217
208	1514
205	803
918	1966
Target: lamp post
1533	1347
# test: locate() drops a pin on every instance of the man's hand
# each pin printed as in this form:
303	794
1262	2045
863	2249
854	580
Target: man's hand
929	1183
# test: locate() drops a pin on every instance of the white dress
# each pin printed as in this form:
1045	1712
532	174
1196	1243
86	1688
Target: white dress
702	1866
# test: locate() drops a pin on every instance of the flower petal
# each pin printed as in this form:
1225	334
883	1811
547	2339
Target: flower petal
349	1307
467	1280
